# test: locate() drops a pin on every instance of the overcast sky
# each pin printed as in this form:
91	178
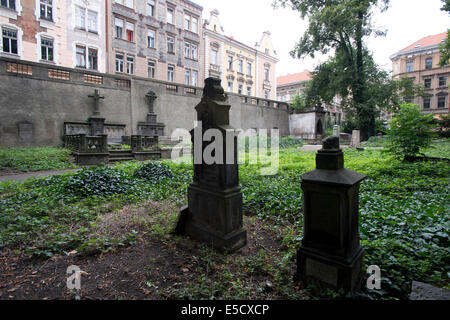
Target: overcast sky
406	22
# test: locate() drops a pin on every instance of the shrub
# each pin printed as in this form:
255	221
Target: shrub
98	181
154	171
410	131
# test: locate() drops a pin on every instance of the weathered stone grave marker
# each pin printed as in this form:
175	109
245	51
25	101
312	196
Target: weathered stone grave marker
96	121
214	211
330	251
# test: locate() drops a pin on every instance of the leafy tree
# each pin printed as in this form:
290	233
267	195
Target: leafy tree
410	131
445	47
299	102
340	25
381	93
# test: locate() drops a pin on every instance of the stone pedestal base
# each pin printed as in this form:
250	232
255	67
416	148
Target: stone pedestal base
331	271
91	158
214	217
147	155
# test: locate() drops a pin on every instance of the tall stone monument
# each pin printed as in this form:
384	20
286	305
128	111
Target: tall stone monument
330	251
151	128
214	211
96	121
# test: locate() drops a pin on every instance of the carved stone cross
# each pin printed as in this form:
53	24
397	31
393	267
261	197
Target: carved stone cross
151	96
96	98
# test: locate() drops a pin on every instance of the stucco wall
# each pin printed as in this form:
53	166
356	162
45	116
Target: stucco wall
44	104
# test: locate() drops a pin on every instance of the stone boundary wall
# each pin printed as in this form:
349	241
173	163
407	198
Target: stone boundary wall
36	99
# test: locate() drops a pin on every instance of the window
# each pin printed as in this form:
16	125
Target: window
190	23
130	31
119	28
240	66
442	81
409	66
92	59
46	9
249	91
187	22
426	103
190	50
80	20
130	64
187	50
194	50
92	21
266	74
46	49
230	63
428	63
119	62
151	8
80	53
441	102
170	44
8	4
187	76
80	14
170	15
128	3
194	78
170	73
194	25
214	54
9	39
230	86
266	51
151	69
249	69
240	89
427	83
151	37
266	94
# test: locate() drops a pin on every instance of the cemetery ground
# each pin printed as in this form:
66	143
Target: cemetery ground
116	224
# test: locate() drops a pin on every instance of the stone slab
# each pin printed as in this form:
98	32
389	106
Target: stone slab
424	291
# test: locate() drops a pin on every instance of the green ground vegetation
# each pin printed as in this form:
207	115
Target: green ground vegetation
34	159
404	219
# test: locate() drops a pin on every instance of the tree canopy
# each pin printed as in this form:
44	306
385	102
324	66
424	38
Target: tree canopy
340	25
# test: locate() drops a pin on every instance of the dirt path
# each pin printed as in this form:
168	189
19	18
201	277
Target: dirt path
26	175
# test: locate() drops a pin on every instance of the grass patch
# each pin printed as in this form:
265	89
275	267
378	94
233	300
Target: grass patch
34	159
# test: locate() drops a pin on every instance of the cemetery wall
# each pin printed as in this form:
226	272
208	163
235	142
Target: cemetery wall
36	99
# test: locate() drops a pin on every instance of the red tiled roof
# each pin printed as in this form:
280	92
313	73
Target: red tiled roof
293	78
427	41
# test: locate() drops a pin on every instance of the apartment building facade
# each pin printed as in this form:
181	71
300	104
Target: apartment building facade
420	61
243	69
156	39
67	33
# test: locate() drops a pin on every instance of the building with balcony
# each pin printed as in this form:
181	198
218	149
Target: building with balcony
243	69
420	61
157	39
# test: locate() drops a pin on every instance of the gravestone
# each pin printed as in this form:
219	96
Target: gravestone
96	121
330	252
336	130
214	211
25	131
151	128
356	140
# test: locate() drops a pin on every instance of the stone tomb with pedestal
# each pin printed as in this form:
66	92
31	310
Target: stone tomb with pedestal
214	211
330	252
145	143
